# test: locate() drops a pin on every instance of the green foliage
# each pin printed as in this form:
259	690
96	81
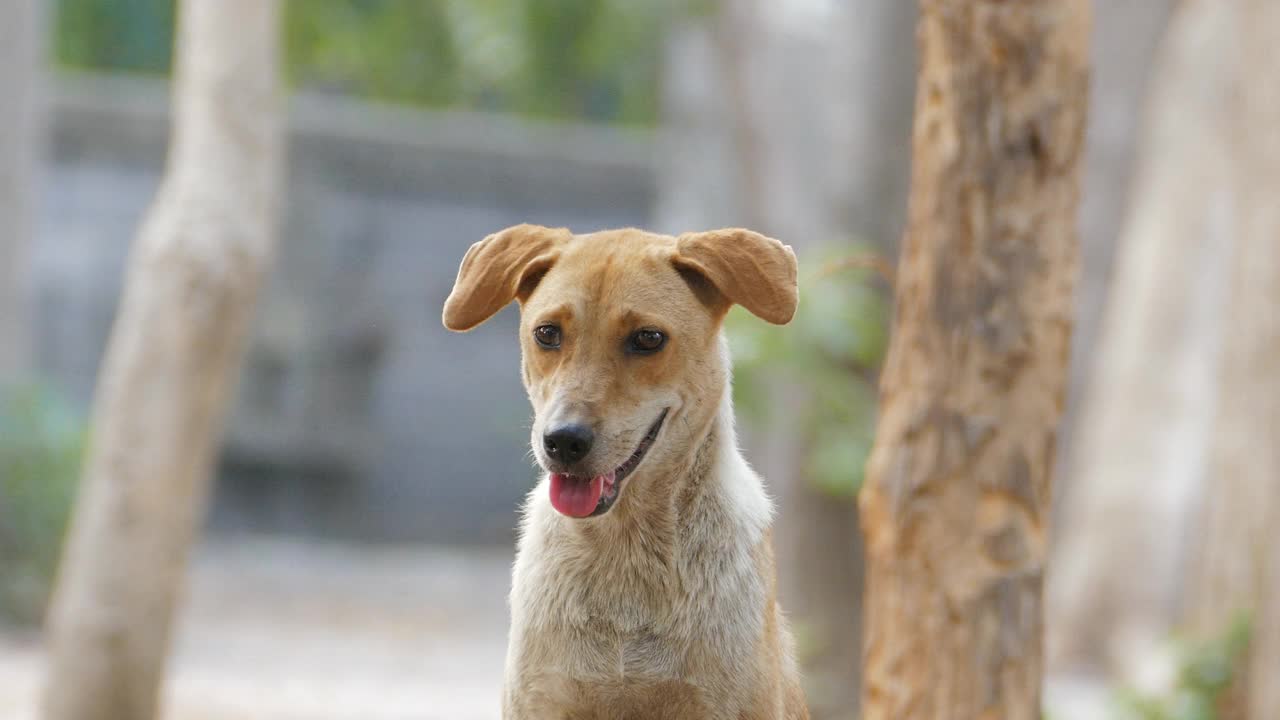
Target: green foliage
41	442
593	59
832	352
1205	672
125	35
394	50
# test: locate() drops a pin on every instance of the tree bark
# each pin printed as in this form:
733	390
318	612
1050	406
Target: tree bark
750	146
1141	447
20	35
1235	564
170	367
817	168
958	495
871	118
1126	34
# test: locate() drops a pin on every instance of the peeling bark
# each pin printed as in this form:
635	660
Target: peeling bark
957	502
170	368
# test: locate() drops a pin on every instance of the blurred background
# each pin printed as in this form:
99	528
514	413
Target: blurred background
356	557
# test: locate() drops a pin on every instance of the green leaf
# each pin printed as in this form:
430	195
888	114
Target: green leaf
41	443
593	59
831	352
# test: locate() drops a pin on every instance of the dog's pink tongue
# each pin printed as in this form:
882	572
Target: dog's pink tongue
576	497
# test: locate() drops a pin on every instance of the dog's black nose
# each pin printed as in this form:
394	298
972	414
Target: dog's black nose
568	443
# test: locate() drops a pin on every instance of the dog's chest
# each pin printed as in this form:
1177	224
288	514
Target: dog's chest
635	622
618	625
650	653
612	634
599	670
563	698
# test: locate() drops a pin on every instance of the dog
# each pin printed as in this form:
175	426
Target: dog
644	583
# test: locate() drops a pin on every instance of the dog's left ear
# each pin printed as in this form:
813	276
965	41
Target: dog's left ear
754	271
498	269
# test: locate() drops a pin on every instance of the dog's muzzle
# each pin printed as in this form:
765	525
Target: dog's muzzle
582	496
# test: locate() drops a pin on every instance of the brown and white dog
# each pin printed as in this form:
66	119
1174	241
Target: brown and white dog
644	584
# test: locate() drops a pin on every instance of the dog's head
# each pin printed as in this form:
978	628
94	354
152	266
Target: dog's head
619	334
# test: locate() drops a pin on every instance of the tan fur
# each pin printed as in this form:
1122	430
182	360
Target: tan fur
664	607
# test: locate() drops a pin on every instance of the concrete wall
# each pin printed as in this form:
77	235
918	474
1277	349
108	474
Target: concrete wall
359	415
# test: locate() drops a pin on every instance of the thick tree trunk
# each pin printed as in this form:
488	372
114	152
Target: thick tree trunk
750	146
815	538
20	34
1140	451
1235	561
958	494
816	169
170	367
1126	34
871	118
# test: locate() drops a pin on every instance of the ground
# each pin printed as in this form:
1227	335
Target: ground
297	630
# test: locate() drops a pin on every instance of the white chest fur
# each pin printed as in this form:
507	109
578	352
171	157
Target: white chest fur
641	607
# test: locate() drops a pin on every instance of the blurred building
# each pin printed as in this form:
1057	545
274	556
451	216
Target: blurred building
359	415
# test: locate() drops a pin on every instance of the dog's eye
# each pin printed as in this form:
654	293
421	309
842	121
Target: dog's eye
548	336
644	342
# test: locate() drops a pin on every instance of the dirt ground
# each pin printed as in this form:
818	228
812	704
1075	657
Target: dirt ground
296	630
299	630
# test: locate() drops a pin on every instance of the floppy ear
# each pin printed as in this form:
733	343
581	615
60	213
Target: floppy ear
499	269
754	271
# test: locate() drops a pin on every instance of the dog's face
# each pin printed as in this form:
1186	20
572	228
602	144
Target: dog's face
616	344
619	334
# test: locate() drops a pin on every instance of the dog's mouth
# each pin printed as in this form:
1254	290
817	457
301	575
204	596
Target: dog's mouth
581	496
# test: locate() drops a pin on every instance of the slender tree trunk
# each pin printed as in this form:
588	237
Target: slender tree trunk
1235	561
170	367
958	495
20	34
1140	451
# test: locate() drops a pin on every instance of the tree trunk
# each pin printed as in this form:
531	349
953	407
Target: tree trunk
1235	563
170	367
871	118
20	35
750	146
958	493
817	169
1140	450
1126	34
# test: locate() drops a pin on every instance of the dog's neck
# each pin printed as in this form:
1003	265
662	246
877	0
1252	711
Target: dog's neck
683	523
665	518
696	521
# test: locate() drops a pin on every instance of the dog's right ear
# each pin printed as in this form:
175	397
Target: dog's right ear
498	269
